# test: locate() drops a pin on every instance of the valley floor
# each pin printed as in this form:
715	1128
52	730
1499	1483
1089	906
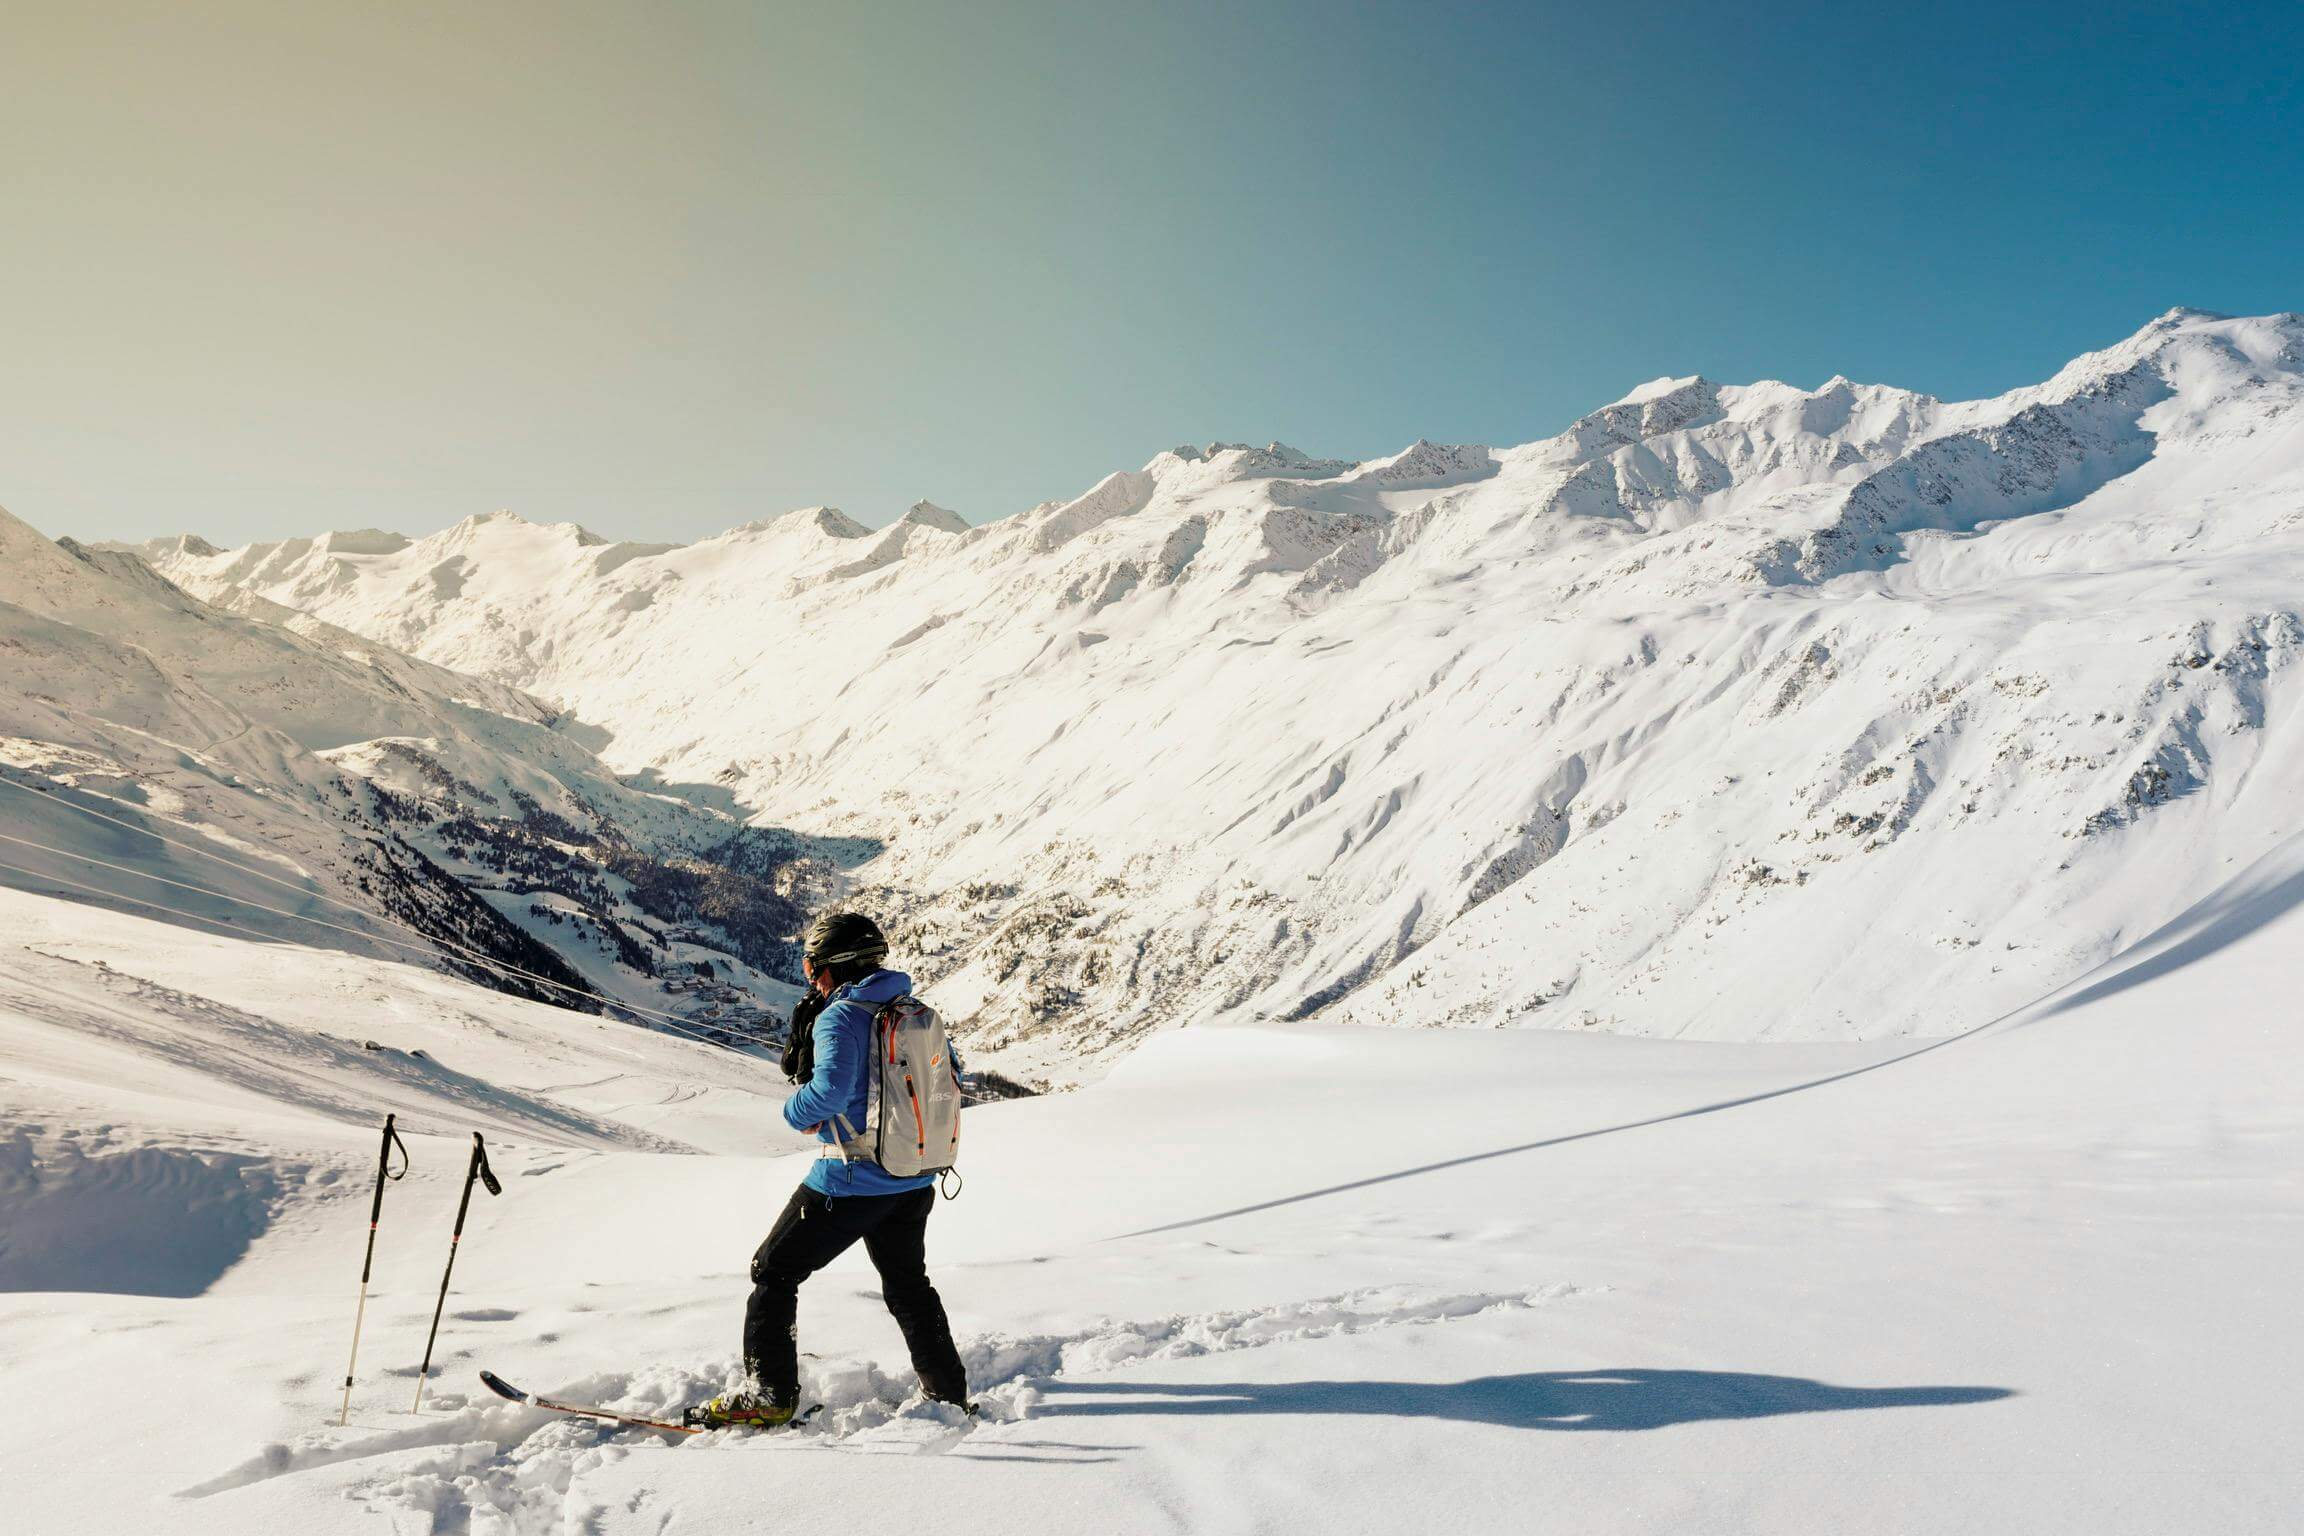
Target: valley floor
2039	1278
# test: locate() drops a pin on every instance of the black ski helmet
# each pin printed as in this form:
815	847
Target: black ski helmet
836	938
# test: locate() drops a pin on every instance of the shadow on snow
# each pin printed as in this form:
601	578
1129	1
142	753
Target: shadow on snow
2265	890
1613	1400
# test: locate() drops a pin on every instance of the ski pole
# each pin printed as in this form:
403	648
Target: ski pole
480	1170
375	1214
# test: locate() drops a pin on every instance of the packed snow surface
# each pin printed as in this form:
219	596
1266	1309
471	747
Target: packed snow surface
1262	1277
1730	712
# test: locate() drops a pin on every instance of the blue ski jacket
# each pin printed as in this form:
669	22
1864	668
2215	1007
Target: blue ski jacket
841	1085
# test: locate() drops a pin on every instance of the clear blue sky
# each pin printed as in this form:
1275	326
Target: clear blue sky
268	269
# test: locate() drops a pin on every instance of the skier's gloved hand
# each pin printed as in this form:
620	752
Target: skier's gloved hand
800	1039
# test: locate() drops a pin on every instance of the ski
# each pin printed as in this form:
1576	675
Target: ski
503	1388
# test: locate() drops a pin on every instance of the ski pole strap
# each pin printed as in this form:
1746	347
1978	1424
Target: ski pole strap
384	1169
384	1155
480	1165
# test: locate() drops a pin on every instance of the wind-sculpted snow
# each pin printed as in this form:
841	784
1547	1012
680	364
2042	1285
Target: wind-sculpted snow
1732	710
136	1220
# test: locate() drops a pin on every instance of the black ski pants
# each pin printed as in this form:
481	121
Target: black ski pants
812	1232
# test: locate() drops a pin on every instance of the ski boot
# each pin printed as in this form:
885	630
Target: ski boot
745	1410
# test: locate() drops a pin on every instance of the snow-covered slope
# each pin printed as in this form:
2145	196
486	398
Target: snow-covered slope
2034	1279
1729	712
258	770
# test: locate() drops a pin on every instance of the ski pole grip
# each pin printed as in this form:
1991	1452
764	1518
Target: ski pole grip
480	1163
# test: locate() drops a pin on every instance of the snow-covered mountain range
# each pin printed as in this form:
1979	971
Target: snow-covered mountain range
1730	712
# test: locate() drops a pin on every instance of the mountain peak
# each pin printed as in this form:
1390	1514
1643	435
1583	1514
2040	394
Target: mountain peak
18	537
1660	389
376	541
926	514
1426	465
342	541
1650	410
828	521
2168	320
1247	461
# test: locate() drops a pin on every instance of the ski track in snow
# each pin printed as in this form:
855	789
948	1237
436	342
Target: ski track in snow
503	1469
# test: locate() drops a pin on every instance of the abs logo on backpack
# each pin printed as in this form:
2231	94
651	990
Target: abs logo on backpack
915	1095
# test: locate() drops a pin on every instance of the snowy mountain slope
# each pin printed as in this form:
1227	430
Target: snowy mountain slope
2025	1280
170	1095
219	1043
264	771
1731	712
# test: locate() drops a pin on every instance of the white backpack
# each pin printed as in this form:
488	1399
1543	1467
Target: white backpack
913	1097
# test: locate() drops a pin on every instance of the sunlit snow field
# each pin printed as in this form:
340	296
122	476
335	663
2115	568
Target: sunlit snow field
2039	1278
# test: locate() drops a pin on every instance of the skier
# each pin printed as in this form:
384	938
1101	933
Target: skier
845	1197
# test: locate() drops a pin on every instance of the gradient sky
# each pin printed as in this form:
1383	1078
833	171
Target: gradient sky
274	268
